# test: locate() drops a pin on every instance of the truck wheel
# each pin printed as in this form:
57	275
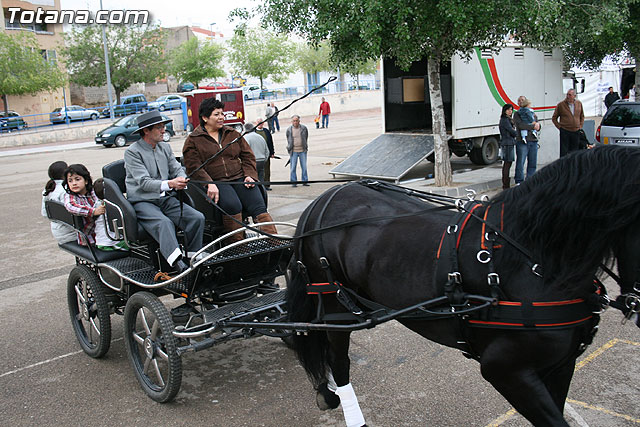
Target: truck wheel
189	128
238	128
89	311
151	346
487	154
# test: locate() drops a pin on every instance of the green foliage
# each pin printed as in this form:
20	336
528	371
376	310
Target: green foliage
23	70
314	59
258	53
194	61
136	55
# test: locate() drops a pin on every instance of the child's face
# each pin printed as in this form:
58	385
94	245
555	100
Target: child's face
77	184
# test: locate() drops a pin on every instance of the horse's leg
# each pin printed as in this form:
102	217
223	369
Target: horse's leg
558	382
520	384
340	387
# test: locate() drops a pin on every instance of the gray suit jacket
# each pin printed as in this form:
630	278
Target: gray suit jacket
146	169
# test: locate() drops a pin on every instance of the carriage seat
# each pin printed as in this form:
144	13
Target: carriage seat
114	175
57	212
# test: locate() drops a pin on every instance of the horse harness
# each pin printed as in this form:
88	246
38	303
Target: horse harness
472	311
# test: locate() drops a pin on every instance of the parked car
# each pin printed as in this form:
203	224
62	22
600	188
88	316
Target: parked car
122	132
252	92
214	86
130	104
620	125
186	87
74	112
167	102
10	121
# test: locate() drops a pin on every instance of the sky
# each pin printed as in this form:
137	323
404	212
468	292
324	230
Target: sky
200	13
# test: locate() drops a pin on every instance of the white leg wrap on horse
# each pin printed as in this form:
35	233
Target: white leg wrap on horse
352	414
331	383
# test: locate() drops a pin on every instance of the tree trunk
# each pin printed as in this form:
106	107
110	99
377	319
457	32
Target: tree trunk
5	103
118	92
442	165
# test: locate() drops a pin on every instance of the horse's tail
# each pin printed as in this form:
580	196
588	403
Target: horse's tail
312	348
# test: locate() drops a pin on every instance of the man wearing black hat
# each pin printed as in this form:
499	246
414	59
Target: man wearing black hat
153	173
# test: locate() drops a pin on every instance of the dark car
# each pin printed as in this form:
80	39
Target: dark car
10	121
121	132
130	104
186	87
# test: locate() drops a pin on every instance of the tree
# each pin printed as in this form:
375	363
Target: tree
136	55
258	53
361	67
314	59
194	61
407	30
23	69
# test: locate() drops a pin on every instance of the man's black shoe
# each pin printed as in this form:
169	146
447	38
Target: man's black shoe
180	266
305	184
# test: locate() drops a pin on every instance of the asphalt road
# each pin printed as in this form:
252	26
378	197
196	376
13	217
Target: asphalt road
400	379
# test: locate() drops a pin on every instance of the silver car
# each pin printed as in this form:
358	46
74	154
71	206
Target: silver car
74	112
621	125
167	102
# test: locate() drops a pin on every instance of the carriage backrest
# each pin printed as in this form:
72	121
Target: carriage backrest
116	172
57	212
125	215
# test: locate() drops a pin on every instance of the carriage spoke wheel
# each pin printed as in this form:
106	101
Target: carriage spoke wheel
89	311
151	346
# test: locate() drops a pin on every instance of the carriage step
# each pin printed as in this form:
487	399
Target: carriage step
253	247
244	308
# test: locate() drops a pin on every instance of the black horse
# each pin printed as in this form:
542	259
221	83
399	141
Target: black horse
535	249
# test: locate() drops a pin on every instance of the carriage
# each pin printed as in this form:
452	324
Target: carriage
368	252
225	284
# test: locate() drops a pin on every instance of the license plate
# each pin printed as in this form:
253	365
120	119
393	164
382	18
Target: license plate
626	141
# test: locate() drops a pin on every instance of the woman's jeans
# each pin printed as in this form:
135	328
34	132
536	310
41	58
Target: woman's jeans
528	152
303	165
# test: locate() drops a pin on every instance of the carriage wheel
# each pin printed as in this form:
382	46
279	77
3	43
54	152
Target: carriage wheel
90	316
151	346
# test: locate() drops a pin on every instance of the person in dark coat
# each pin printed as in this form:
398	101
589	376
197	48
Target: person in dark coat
611	98
508	135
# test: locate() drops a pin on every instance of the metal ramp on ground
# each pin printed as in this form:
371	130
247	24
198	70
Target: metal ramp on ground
390	156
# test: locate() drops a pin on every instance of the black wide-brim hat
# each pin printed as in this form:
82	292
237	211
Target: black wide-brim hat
149	119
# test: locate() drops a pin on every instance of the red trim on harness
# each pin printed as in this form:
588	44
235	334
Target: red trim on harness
464	223
565	323
441	242
484	322
509	303
484	224
552	303
323	285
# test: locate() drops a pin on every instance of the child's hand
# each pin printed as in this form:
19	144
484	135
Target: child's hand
99	210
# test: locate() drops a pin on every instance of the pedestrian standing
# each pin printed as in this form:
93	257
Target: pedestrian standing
526	147
272	153
325	110
259	147
508	135
297	136
269	114
569	118
611	98
276	122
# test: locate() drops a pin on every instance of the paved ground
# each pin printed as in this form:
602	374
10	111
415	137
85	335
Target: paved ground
400	380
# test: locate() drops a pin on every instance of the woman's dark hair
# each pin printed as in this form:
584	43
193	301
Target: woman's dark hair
56	171
505	107
81	170
206	108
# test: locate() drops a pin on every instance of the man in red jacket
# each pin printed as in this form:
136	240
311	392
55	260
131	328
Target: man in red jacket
325	110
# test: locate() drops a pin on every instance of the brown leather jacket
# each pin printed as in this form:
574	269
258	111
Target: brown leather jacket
235	162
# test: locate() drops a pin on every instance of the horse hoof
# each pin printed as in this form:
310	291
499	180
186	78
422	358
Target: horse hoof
326	399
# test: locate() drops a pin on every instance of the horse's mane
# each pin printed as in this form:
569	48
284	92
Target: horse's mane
571	213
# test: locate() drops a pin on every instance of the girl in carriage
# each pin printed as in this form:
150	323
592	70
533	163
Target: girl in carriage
81	200
53	190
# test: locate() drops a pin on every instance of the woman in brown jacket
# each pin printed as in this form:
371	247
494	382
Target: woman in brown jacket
236	164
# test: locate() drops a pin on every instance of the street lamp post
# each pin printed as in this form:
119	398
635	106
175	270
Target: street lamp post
211	29
106	64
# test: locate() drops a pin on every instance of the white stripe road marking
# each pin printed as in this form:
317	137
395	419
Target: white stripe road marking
575	415
44	362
